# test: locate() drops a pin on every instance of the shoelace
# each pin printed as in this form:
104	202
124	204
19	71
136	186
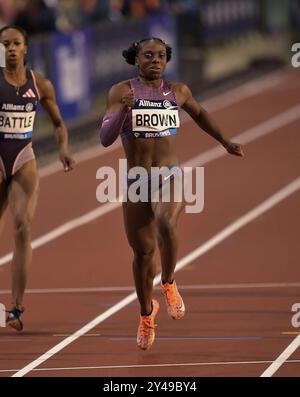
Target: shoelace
172	296
146	324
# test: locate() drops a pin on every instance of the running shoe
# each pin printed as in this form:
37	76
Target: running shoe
175	305
14	318
146	330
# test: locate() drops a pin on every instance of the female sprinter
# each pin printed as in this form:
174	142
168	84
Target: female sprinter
20	91
148	143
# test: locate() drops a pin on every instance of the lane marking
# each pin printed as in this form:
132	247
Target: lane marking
290	333
14	340
151	365
201	250
214	104
282	358
189	338
131	288
247	136
66	227
71	334
260	130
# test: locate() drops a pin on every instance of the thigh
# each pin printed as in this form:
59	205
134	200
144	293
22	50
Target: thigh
171	202
23	191
139	226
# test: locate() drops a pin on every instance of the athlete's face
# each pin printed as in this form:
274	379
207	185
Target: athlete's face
15	46
151	59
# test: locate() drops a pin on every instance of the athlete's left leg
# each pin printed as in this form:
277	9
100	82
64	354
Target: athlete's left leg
22	199
166	216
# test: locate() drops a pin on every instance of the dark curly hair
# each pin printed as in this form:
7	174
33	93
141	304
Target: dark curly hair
131	53
19	29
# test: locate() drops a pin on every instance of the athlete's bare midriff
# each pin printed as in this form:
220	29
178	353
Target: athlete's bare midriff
153	152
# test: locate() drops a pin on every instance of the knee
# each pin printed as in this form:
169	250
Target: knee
144	255
22	229
166	225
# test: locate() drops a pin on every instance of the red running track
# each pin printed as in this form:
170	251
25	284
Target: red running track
238	290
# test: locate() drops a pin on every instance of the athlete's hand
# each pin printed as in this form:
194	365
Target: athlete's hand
128	99
234	148
66	159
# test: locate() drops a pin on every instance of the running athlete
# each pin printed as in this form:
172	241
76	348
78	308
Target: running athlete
20	91
144	111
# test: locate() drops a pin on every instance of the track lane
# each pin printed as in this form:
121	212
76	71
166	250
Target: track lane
269	165
224	325
62	202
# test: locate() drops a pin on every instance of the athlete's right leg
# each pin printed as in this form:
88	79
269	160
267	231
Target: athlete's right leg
141	235
3	199
140	230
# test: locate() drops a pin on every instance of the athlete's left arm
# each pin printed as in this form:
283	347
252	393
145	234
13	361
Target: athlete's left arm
204	121
48	101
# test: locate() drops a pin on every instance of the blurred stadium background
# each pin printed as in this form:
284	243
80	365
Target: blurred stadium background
77	44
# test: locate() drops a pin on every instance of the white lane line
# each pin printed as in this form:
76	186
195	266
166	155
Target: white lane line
245	91
193	287
214	104
201	364
280	360
201	250
217	152
66	227
273	124
240	286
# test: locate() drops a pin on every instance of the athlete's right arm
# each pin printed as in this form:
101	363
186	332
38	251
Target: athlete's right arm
119	101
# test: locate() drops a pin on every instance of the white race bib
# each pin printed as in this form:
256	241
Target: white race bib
12	122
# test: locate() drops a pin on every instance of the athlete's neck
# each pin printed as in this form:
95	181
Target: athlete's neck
150	83
15	73
15	70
